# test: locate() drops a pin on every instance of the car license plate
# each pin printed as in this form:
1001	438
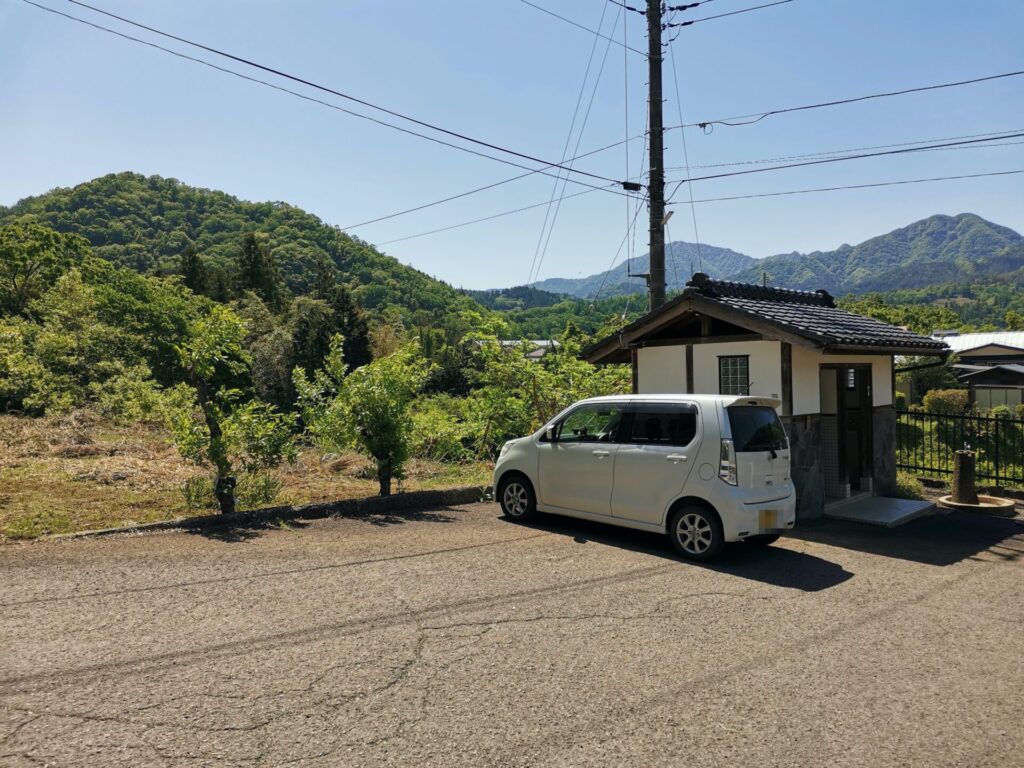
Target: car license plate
769	518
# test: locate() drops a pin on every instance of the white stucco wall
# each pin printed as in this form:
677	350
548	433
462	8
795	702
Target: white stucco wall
661	370
765	366
806	387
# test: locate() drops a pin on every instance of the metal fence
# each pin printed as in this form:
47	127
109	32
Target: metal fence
926	443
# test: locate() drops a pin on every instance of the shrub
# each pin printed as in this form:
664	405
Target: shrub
1001	412
440	430
198	493
901	401
1018	412
908	486
257	489
946	401
129	396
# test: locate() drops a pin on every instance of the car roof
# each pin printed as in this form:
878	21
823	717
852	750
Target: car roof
724	400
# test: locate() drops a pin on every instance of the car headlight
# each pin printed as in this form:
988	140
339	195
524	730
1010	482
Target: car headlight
505	447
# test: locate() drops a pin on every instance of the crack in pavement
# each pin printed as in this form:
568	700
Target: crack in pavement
265	574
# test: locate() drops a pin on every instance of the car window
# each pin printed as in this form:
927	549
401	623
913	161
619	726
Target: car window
590	424
662	425
756	428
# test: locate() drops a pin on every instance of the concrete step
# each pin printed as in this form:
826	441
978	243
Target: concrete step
879	510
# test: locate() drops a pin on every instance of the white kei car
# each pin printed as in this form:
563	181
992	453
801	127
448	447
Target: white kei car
704	469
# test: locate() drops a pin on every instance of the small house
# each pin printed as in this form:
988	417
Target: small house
831	369
990	365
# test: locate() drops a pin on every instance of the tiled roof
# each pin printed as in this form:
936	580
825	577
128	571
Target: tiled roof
809	313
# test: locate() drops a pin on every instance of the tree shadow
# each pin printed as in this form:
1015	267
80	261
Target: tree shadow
942	539
246	526
778	566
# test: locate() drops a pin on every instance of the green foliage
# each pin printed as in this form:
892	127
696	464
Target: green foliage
908	486
257	271
130	397
146	223
258	489
212	425
368	408
923	380
198	494
194	273
946	401
32	257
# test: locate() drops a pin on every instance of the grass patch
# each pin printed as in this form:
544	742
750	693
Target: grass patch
79	472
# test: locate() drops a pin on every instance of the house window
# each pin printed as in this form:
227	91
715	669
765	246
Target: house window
734	375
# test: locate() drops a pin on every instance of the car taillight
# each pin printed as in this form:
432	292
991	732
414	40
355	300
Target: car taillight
727	462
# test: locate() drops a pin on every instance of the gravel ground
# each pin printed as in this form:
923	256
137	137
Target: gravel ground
455	638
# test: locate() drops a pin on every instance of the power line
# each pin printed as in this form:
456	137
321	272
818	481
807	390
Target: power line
311	99
762	115
695	178
484	218
332	91
836	160
538	253
784	158
489	186
723	15
580	26
856	186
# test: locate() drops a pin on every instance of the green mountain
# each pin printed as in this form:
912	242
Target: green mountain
939	249
681	260
933	251
146	223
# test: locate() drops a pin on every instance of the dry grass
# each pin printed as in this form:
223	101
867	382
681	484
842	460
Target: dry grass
78	472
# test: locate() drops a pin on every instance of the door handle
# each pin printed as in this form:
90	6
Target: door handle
601	454
675	458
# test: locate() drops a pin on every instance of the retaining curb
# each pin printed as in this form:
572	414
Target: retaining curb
400	502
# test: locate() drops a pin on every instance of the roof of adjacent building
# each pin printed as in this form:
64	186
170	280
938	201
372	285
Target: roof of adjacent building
809	318
961	342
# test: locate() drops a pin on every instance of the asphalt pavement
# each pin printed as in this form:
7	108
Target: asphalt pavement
455	638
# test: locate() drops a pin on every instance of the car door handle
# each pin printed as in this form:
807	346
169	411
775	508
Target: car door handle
675	458
601	454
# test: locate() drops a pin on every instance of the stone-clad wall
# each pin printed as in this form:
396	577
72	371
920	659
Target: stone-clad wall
884	451
805	458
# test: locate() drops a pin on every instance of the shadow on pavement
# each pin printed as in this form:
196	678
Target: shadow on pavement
941	539
241	531
777	566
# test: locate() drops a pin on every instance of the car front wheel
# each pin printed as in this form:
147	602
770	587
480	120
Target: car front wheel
696	533
515	495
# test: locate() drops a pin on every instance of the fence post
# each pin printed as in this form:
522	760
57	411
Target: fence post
996	432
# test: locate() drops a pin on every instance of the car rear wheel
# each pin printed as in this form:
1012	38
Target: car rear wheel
762	540
696	533
517	500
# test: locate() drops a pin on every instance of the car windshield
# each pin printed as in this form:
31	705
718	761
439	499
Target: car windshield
756	428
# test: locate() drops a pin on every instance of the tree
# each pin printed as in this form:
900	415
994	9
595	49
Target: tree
368	408
348	317
193	270
233	430
257	271
31	258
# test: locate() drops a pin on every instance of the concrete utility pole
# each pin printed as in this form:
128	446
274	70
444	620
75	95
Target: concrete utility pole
656	187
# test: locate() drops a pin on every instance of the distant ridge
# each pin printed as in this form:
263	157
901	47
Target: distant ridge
939	249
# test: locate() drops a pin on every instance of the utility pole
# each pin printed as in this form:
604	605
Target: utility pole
656	187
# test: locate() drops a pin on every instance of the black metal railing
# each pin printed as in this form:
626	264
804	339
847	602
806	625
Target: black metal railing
926	443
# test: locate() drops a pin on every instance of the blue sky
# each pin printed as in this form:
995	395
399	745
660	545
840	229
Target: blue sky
78	103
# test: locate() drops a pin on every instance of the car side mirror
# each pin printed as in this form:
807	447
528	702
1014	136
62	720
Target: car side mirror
549	434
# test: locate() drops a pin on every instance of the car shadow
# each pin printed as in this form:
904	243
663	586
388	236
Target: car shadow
236	531
778	566
942	539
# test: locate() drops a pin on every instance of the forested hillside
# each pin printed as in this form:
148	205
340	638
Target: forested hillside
148	223
939	249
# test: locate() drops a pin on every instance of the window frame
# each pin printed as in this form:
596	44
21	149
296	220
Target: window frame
635	409
746	362
560	423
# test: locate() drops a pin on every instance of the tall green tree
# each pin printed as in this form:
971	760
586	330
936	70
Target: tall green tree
31	258
369	408
193	270
258	272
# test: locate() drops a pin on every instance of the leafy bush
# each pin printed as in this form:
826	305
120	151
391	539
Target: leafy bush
440	429
129	397
198	493
901	401
1001	412
257	489
946	401
368	408
908	486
